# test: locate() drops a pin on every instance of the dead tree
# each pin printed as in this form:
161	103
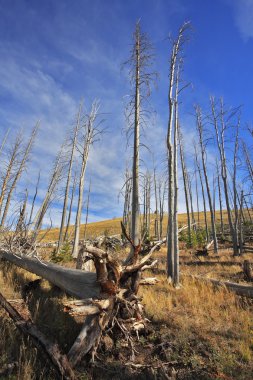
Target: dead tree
186	186
175	58
4	141
156	226
141	77
114	288
19	172
52	186
14	153
66	235
197	191
66	194
127	200
220	127
89	131
146	203
220	197
162	188
202	190
204	167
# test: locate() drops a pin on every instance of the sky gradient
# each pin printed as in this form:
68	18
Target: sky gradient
54	53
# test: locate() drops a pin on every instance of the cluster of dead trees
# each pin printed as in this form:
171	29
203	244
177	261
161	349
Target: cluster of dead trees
220	187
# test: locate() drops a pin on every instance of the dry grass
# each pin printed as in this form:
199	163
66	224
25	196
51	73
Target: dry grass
205	325
112	227
204	332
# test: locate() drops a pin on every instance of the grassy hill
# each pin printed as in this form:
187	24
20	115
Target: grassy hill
112	226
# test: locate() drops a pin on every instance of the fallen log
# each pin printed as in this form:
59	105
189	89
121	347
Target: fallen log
241	290
52	351
247	269
210	263
75	282
149	281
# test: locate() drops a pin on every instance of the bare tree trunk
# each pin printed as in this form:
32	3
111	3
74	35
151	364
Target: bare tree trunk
186	189
12	161
172	92
66	236
88	139
175	211
54	180
19	172
135	228
203	154
220	199
203	193
197	192
4	141
66	195
127	201
221	147
157	229
34	199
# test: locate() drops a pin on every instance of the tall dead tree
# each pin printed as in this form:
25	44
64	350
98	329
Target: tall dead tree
127	200
73	189
172	252
162	189
19	171
220	126
4	141
89	132
202	191
204	167
141	77
66	193
14	153
186	186
54	180
156	226
220	196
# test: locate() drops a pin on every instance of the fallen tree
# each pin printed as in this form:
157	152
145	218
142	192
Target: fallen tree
241	290
52	351
110	293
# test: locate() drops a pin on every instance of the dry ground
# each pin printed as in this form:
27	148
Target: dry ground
195	332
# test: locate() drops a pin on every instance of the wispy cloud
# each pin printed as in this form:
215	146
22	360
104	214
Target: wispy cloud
243	14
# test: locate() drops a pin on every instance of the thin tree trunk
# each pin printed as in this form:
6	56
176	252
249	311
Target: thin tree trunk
203	153
19	172
66	236
135	228
66	195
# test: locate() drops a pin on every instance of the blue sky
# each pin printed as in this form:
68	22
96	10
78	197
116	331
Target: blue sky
53	53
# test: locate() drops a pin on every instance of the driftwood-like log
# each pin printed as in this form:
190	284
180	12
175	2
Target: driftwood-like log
52	351
149	281
247	269
73	281
210	263
90	335
241	290
115	282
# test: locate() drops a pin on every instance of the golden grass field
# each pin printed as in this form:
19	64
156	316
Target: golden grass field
202	331
112	226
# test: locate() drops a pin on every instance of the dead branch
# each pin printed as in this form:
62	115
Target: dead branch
52	351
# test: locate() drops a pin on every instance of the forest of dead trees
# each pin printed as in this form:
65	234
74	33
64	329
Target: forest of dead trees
213	175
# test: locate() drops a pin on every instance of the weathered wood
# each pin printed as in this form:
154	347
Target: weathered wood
210	263
52	351
247	270
89	337
241	290
75	282
149	281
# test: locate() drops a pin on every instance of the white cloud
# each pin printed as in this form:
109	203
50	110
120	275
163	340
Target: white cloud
243	13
